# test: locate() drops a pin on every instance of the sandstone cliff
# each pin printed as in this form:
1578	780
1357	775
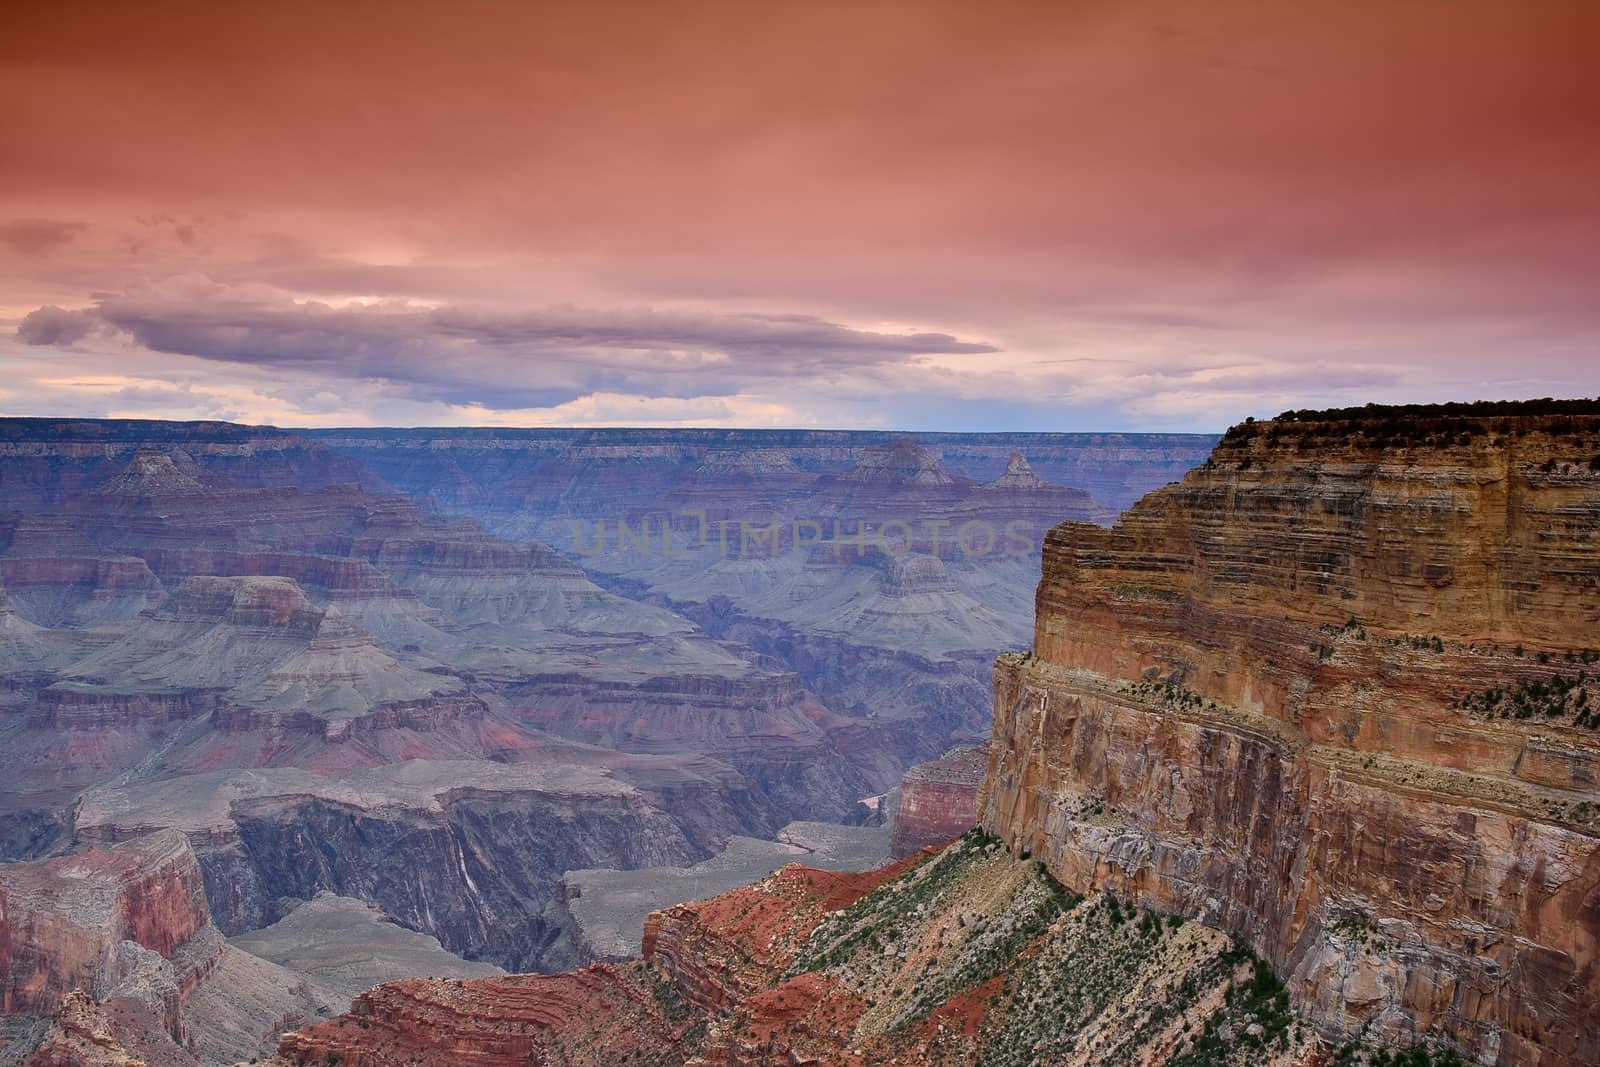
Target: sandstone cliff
1332	694
938	800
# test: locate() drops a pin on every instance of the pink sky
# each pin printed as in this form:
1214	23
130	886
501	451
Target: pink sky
1070	215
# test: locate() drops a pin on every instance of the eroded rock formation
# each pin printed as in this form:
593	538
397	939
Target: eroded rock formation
63	920
767	549
83	1035
182	616
116	944
594	1018
938	800
469	851
1332	694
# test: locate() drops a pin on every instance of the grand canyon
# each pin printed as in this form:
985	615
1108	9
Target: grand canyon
1299	764
899	533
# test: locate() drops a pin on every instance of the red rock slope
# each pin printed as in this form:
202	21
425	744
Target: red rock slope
965	956
62	920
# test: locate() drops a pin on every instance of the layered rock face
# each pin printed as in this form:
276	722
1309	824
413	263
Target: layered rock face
938	800
254	651
151	472
63	591
467	851
899	465
1332	694
594	1018
1018	474
23	644
61	921
114	949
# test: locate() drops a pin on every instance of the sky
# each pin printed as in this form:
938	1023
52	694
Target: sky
1073	215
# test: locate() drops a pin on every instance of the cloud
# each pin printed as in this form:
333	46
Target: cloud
51	325
35	237
498	360
1167	215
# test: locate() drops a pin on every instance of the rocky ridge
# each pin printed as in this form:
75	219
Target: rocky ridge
967	955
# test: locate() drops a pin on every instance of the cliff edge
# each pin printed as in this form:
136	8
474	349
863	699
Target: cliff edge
1337	694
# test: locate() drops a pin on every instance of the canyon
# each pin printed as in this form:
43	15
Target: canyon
885	571
349	681
1301	765
1300	769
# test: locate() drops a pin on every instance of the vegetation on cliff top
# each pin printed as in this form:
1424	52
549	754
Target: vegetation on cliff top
1408	425
1471	409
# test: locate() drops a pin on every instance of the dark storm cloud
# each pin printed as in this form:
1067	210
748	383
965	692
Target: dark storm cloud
497	359
763	342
